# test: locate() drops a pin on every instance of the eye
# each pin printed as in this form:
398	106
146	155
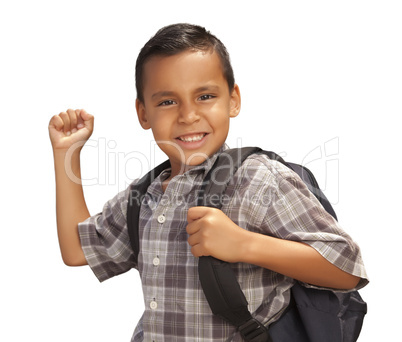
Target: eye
166	103
206	97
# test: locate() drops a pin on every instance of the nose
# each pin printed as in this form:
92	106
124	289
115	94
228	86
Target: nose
188	113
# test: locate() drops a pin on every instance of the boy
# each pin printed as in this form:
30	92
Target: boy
186	95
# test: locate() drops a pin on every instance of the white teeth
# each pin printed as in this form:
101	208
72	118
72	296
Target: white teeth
193	138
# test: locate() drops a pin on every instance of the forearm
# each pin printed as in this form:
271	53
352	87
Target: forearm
70	206
296	260
231	243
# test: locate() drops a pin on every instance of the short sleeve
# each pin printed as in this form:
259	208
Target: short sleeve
297	215
285	208
105	241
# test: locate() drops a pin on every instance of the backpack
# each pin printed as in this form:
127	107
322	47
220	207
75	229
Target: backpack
313	315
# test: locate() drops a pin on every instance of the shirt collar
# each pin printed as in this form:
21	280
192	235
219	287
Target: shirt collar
208	163
202	169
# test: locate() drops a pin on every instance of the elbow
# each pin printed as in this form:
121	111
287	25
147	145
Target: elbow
352	282
71	263
347	282
74	260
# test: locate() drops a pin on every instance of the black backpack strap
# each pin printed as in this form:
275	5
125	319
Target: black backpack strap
226	299
217	278
135	198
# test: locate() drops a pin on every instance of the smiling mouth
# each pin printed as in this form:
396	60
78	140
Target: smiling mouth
192	137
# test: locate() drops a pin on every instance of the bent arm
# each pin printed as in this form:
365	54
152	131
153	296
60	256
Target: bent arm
290	234
296	260
71	207
300	239
68	133
231	243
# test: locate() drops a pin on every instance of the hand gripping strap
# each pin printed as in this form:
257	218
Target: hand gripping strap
217	278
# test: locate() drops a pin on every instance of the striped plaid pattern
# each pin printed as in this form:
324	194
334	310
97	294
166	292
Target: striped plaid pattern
263	196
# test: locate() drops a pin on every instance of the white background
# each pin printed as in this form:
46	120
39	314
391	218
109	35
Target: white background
315	76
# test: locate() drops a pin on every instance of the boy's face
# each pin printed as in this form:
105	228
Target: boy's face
188	106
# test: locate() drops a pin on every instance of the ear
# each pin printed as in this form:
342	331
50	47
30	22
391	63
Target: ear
142	114
235	102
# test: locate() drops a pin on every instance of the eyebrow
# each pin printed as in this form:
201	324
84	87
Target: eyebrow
162	94
167	93
207	88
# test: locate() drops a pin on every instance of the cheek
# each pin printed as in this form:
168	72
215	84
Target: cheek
160	135
160	124
219	114
221	120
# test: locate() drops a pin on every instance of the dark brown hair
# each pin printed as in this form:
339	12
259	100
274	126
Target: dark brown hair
173	39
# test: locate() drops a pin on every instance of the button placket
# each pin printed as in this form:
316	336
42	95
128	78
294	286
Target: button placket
156	262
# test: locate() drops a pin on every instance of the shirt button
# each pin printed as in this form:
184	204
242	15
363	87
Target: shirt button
161	218
156	261
153	305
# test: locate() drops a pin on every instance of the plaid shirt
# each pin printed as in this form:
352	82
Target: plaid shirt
263	196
